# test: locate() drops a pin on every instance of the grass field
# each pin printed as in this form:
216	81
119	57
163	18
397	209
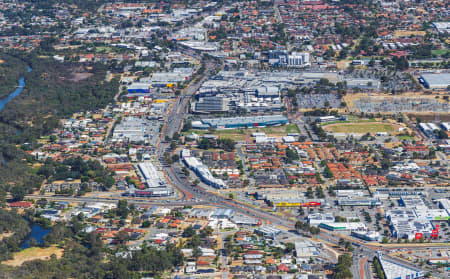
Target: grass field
34	253
242	134
361	127
405	137
439	51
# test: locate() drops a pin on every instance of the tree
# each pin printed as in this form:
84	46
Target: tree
309	193
348	246
342	270
320	193
291	155
196	252
195	241
122	237
95	244
122	209
189	232
327	172
401	63
289	247
18	193
173	145
206	232
204	144
442	134
175	158
109	181
378	268
227	144
186	126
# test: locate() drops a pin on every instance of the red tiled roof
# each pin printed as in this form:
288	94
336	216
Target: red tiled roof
21	204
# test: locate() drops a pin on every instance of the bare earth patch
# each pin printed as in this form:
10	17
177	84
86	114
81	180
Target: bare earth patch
4	235
80	76
361	128
34	253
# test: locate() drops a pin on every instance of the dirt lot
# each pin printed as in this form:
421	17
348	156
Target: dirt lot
80	76
4	235
34	253
431	117
361	128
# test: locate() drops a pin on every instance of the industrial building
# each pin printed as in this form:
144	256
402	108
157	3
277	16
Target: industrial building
359	202
156	186
150	175
437	81
305	250
402	228
296	203
211	105
433	214
446	126
201	170
414	202
320	218
349	193
288	198
131	129
384	193
442	27
429	129
267	231
137	88
344	226
223	213
154	192
400	213
367	235
295	59
444	204
363	83
395	270
169	79
240	122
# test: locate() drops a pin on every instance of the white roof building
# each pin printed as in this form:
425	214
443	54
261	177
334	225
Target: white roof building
395	270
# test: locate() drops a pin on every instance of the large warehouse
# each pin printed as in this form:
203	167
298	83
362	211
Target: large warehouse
435	81
396	270
150	175
240	122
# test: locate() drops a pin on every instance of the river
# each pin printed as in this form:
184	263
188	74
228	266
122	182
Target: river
16	92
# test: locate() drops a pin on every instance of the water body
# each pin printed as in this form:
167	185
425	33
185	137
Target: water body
38	233
16	92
